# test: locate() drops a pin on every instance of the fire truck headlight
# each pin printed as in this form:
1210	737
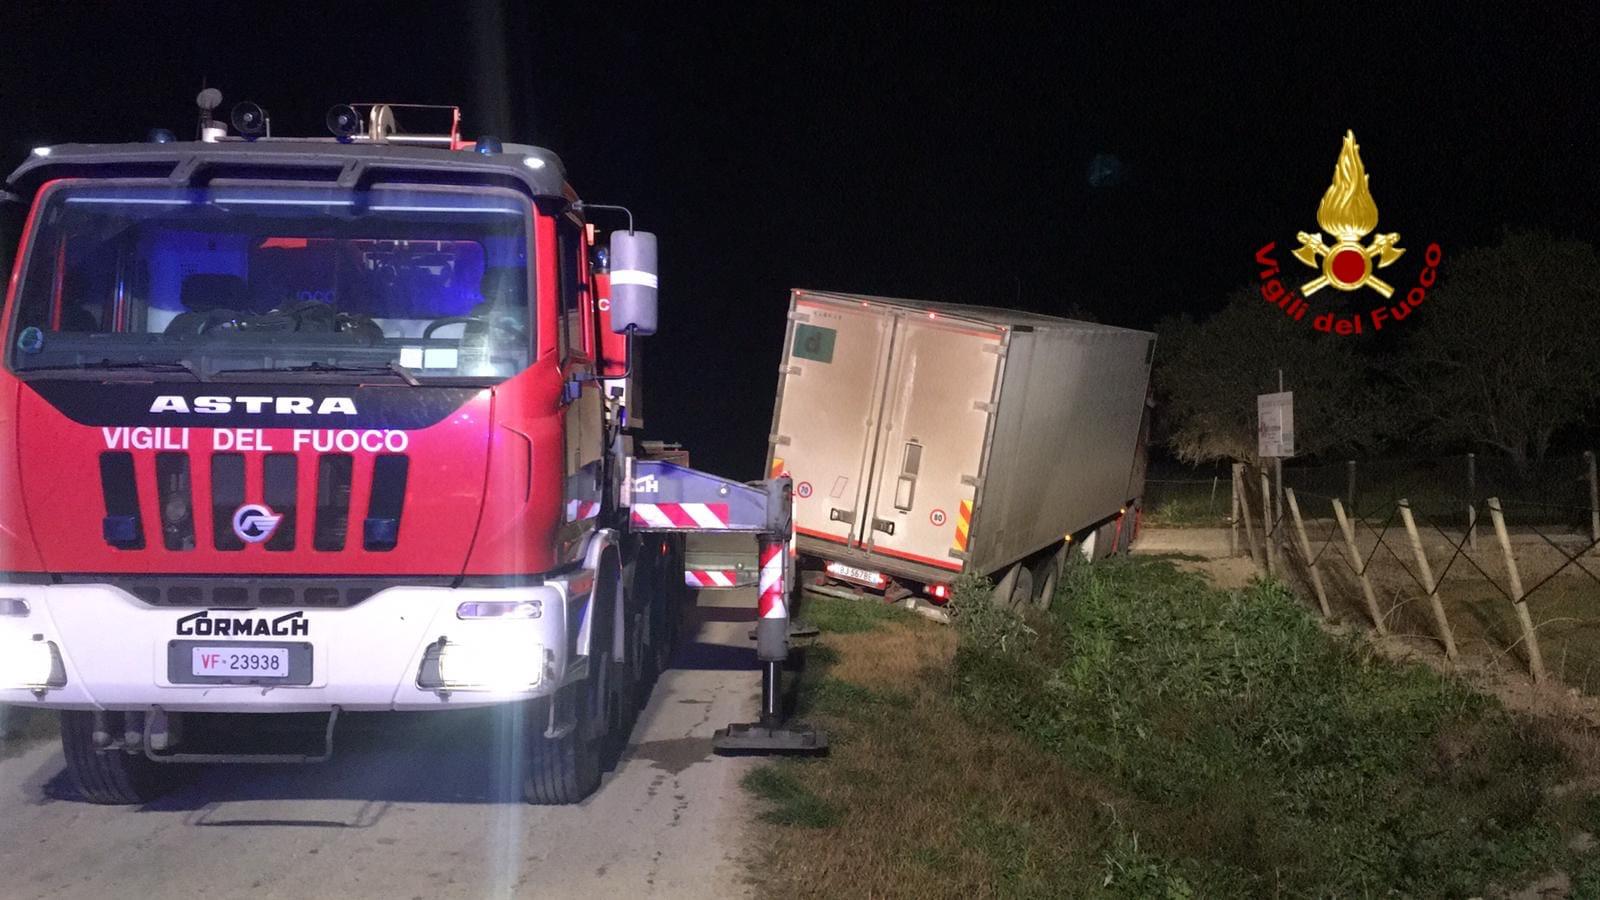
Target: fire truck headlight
482	664
13	606
30	664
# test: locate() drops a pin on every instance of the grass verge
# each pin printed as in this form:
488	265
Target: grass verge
1155	737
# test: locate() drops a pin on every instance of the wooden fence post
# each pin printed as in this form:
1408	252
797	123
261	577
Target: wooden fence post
1268	526
1519	602
1305	551
1244	510
1350	484
1594	498
1353	552
1445	634
1472	501
1233	513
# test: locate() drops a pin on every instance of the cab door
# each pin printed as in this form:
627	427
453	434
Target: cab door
583	453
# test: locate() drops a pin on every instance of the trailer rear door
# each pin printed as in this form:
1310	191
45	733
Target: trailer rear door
832	386
942	378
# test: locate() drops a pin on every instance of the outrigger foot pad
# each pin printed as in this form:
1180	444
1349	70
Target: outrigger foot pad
757	738
796	630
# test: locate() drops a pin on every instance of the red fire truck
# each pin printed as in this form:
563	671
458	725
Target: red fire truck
292	426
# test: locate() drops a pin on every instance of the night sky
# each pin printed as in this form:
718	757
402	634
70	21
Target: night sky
903	150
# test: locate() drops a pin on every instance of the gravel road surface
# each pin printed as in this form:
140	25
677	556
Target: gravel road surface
418	806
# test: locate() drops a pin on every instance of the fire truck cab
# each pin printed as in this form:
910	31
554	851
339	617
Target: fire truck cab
299	426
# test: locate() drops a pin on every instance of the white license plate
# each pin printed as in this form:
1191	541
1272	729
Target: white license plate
248	662
855	574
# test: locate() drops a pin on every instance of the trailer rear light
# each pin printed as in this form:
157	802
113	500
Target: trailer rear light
30	664
859	576
939	592
500	609
13	606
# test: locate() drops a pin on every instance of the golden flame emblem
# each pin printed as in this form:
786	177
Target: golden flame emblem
1348	213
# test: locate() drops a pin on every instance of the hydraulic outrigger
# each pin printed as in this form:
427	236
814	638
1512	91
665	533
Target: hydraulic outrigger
665	497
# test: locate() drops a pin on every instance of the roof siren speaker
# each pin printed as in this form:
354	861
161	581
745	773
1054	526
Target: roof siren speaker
211	130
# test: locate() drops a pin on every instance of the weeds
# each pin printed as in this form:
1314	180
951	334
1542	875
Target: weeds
791	803
1259	745
849	616
1151	736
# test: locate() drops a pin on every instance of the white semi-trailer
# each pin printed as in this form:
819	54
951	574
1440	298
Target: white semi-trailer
927	440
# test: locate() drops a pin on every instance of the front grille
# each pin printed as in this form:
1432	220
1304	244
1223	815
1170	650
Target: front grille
122	526
167	495
225	593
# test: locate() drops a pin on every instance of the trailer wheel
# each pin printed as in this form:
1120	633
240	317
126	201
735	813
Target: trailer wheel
110	777
1054	563
1021	588
1089	546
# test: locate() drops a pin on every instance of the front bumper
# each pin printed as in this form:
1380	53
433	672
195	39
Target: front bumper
113	650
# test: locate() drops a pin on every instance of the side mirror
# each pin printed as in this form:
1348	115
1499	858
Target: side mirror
633	282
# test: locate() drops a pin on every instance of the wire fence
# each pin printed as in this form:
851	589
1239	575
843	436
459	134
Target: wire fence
1555	492
1509	581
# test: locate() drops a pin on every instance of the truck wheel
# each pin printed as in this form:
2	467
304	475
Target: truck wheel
1001	595
1110	541
1053	565
110	777
1089	546
1022	588
566	769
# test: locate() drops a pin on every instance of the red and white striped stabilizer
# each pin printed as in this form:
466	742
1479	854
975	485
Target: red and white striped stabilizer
578	510
696	516
773	603
711	578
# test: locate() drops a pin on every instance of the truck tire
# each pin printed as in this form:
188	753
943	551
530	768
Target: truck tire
562	770
1022	588
111	777
566	769
1052	575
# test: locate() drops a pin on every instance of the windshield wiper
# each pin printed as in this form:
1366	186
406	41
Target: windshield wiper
110	365
393	368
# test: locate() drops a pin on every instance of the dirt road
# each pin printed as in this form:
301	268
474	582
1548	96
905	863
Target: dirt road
420	807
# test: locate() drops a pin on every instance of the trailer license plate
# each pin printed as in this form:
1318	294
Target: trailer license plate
235	662
871	579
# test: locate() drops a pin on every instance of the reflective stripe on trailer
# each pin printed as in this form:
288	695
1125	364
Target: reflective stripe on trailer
823	535
963	526
926	560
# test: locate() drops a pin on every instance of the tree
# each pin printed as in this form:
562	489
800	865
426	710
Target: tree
1506	352
1208	375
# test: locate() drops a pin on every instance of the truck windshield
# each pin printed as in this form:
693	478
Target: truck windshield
309	282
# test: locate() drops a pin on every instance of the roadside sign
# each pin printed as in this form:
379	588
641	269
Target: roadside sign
1275	425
